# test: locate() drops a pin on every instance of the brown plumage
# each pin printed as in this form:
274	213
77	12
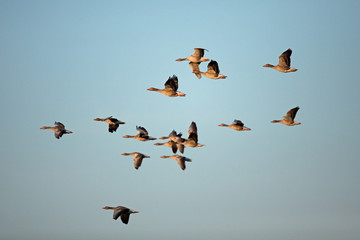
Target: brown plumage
289	118
236	125
179	159
195	59
142	134
170	90
212	72
122	212
59	129
192	140
113	123
175	141
284	63
138	158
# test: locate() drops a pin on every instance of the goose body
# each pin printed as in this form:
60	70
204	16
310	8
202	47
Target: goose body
122	212
212	72
170	90
138	158
236	125
289	118
142	134
192	140
113	123
197	56
284	63
59	129
179	159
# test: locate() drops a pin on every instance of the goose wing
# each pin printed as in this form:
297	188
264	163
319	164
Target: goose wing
284	58
213	67
59	125
59	132
192	133
172	83
138	160
198	52
290	115
174	147
181	162
195	67
238	122
142	131
113	127
125	217
113	120
119	211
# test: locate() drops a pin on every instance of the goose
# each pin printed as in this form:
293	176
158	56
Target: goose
179	159
138	157
122	212
289	118
236	125
59	129
170	90
175	137
170	144
192	140
197	56
212	72
195	59
113	123
142	134
284	63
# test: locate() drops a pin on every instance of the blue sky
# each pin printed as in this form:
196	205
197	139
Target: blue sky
73	61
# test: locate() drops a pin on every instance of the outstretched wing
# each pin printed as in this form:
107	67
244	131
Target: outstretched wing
113	127
59	125
192	133
292	113
195	67
238	122
141	131
138	160
213	67
172	83
59	133
284	58
181	162
125	217
199	52
118	211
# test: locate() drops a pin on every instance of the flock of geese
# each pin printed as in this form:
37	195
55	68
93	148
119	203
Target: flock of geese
175	140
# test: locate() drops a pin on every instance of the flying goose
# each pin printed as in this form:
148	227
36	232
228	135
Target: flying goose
179	159
195	59
192	140
59	129
212	72
138	157
289	118
113	123
170	90
236	125
142	134
122	212
284	63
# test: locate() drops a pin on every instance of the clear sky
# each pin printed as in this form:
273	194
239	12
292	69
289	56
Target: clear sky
73	61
